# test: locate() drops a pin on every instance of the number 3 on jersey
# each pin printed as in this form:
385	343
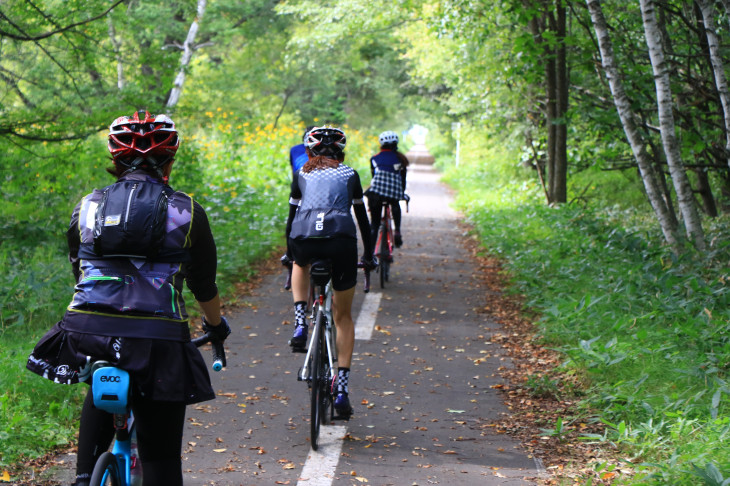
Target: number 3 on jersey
319	224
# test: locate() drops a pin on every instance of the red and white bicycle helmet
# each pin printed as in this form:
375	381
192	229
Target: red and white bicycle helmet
329	141
388	138
143	137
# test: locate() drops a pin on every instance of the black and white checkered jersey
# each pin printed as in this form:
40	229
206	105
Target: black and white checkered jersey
387	180
325	197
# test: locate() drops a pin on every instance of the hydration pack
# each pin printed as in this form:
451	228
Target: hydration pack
130	220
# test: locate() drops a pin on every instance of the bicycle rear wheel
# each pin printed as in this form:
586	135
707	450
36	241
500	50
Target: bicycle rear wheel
315	386
384	252
106	471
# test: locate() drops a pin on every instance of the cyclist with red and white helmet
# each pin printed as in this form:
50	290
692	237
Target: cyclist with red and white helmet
319	226
388	169
131	246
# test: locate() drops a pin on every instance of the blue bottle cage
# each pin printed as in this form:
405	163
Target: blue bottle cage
110	388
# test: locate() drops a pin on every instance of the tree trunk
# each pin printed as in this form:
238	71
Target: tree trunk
713	44
628	121
560	167
704	189
116	45
655	155
551	108
187	47
682	187
552	18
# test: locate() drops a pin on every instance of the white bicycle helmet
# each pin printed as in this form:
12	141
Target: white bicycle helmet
388	137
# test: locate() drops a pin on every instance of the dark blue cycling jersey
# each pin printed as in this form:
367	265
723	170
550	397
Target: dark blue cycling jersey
297	157
324	197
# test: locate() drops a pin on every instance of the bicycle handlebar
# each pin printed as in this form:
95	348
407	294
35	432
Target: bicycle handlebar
285	261
219	353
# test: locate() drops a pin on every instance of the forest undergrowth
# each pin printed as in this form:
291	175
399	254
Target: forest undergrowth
640	336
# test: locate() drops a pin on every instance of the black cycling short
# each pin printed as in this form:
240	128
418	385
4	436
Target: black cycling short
342	252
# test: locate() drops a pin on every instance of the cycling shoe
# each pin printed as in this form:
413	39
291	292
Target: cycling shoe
299	338
342	405
398	239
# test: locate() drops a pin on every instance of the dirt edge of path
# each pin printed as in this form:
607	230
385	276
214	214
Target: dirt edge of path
536	393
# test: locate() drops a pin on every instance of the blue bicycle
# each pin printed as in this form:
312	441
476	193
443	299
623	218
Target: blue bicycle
111	391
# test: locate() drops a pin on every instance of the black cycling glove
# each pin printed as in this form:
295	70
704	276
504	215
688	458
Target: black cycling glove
370	263
286	260
219	332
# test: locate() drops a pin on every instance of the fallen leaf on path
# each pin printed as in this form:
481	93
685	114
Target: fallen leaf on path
220	450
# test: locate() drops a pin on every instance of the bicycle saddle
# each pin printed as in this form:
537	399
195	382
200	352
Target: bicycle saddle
321	271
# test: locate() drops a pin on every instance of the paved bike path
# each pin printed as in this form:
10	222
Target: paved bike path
421	386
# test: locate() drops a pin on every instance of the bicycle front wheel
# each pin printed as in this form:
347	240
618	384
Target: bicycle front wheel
106	471
316	387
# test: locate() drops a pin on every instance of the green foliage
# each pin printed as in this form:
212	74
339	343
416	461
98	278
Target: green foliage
648	330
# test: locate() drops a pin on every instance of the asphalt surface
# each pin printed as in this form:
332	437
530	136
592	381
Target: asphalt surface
421	385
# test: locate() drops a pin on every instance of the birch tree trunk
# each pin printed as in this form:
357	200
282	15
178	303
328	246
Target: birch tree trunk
667	223
188	47
682	187
562	84
713	43
117	53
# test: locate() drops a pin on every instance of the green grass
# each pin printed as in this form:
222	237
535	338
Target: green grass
648	331
240	173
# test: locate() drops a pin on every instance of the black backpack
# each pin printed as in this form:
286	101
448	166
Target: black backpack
130	220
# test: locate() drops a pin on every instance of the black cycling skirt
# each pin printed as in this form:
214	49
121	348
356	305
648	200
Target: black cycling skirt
161	370
342	252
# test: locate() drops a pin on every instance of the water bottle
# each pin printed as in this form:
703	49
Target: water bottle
136	469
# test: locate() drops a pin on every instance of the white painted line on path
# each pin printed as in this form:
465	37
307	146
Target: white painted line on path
321	465
319	470
366	319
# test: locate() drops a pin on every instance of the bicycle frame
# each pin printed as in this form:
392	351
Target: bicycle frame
320	362
111	393
384	245
320	302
